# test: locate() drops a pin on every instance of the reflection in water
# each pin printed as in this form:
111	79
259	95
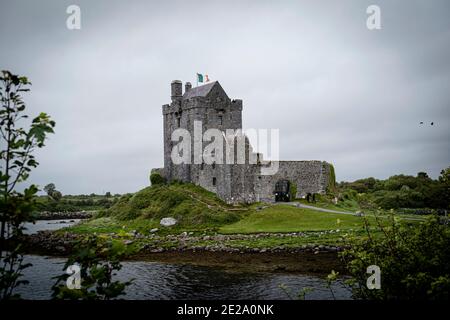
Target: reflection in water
154	280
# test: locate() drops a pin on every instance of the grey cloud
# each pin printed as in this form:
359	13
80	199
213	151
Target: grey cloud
336	90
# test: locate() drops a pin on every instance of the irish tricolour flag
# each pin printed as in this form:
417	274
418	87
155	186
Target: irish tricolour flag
201	78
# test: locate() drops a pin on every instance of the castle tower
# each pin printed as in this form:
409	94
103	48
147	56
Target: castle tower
209	106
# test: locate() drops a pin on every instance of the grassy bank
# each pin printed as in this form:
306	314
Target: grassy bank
203	218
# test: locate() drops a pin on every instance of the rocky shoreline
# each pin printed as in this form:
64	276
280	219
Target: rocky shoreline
47	215
182	249
61	243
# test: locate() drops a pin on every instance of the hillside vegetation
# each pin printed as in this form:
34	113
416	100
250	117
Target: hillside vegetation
188	203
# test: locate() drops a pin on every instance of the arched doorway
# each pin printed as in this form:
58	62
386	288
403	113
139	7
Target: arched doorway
282	191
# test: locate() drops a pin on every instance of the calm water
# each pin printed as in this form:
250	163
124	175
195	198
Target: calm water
41	225
155	280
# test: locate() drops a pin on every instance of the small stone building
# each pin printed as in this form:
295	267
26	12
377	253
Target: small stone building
234	183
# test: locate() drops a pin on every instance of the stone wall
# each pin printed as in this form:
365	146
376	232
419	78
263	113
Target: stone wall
309	177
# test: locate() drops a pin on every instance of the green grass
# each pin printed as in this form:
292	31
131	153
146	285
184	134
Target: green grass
191	205
201	212
285	218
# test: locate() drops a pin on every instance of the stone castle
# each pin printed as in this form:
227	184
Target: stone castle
233	183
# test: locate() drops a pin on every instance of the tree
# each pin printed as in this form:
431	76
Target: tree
50	188
16	162
98	259
108	194
52	192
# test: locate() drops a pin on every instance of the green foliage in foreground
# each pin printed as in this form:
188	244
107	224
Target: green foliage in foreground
191	205
414	261
17	147
98	259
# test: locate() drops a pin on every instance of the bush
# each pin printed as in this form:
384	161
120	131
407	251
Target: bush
156	179
293	191
413	259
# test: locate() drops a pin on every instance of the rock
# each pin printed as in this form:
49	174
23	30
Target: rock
184	234
154	230
128	242
359	213
167	222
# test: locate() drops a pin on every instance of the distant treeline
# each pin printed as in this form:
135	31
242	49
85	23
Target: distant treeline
401	191
75	203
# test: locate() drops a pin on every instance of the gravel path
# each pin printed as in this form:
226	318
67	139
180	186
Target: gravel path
301	205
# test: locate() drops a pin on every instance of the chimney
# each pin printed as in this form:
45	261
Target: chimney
187	86
176	90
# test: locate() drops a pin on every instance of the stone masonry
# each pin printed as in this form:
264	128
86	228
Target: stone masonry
234	183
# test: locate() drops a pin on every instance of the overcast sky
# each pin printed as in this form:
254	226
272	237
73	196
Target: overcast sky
336	90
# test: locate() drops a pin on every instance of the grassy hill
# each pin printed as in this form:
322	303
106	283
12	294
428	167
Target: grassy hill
191	205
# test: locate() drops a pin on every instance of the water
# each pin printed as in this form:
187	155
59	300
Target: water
42	225
154	280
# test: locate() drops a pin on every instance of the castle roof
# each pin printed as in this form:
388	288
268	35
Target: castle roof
200	91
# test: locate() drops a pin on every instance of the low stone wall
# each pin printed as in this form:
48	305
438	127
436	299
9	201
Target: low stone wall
46	215
53	243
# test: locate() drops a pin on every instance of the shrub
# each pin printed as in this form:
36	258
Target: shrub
293	191
156	179
413	259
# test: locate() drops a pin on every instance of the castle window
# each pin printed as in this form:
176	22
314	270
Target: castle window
178	122
221	120
202	166
214	165
214	181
